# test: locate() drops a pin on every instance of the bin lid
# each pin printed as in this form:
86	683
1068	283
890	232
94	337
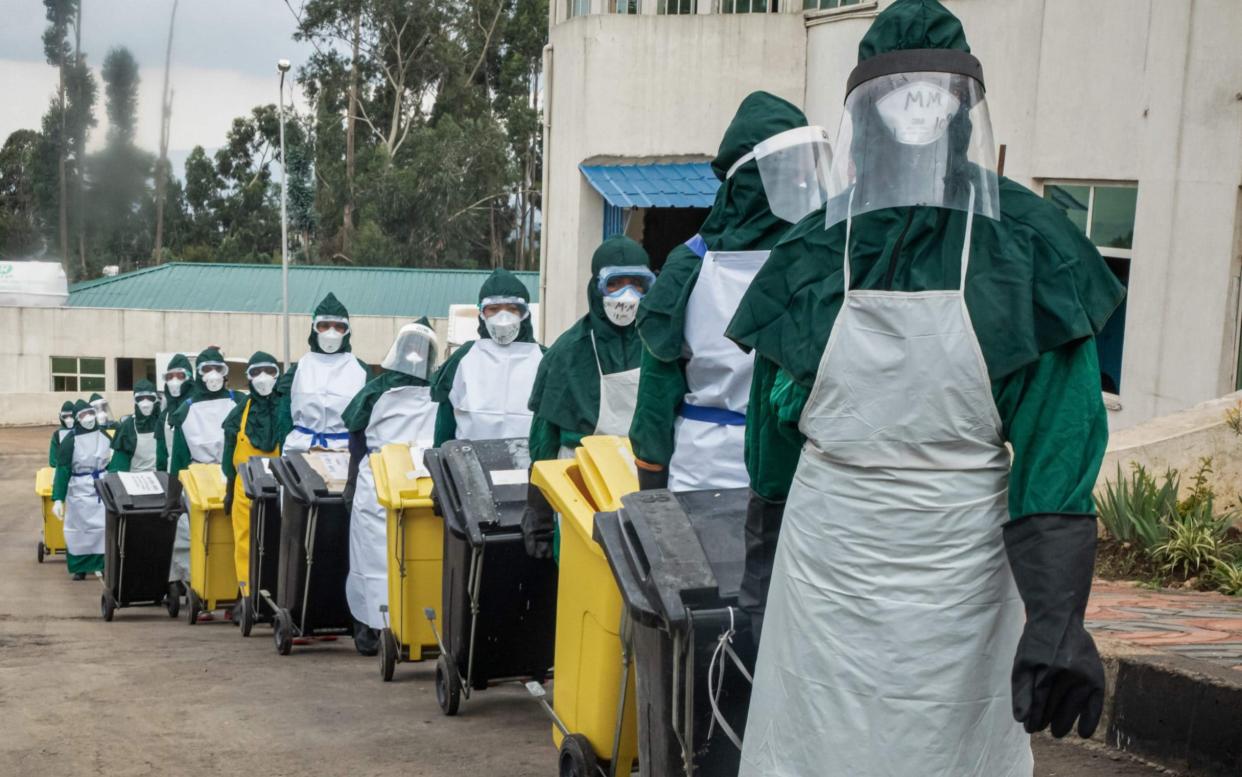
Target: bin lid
43	481
481	485
257	478
295	472
118	499
205	486
676	553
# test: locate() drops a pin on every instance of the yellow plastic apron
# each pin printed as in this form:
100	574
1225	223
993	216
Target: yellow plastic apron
241	503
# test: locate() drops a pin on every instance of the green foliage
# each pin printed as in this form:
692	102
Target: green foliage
1187	539
20	223
1137	510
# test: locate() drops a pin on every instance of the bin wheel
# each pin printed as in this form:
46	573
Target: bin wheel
193	606
42	551
173	600
106	606
577	759
282	632
246	621
387	654
448	686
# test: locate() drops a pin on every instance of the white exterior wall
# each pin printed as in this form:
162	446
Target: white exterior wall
1133	91
642	87
41	333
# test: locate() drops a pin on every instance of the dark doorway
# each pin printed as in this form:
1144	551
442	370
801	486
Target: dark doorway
666	228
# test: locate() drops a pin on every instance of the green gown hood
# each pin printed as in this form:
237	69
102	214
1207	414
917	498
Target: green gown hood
740	220
329	306
261	420
566	390
145	424
502	283
171	403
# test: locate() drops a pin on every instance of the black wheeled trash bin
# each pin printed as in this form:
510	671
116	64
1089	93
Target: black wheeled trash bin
309	600
260	487
498	618
138	542
678	560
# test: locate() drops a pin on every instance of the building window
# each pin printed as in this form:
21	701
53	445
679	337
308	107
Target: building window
677	7
130	371
749	6
579	8
824	5
1105	213
628	7
73	373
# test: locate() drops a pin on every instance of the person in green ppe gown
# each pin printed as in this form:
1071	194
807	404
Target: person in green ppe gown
66	426
250	429
178	387
134	447
315	391
394	407
690	428
483	388
81	460
926	345
198	435
588	380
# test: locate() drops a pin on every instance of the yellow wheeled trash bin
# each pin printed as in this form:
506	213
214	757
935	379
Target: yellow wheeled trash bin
593	693
52	541
415	555
213	574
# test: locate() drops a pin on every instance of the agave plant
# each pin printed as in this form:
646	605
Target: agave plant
1138	509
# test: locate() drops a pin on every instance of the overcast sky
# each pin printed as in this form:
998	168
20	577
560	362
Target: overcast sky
223	63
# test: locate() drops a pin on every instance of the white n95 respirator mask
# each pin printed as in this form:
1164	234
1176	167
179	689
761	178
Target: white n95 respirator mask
263	384
503	326
622	307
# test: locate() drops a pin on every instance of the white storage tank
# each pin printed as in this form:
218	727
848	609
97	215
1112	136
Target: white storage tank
33	284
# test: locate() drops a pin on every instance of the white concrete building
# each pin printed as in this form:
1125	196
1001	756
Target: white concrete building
1128	113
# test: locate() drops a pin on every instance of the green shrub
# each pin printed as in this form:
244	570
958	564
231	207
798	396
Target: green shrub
1227	578
1137	510
1197	543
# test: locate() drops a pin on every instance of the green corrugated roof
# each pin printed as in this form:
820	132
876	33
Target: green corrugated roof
255	288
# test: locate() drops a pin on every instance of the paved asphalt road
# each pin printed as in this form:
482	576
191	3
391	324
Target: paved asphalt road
145	695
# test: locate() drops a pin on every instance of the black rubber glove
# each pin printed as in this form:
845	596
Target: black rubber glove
649	480
1057	673
228	495
538	524
172	500
763	528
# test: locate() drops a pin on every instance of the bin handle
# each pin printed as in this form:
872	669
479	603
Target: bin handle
636	551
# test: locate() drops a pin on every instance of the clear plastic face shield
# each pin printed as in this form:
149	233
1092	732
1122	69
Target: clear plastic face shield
793	166
103	410
413	352
915	132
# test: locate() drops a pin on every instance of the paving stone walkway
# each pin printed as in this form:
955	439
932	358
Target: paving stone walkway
1205	626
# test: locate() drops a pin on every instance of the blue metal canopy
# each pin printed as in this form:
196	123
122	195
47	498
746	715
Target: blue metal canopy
656	185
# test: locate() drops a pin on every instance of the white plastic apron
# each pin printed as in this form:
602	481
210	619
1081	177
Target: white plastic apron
401	415
169	433
893	618
491	389
323	387
143	459
203	428
618	396
709	454
84	510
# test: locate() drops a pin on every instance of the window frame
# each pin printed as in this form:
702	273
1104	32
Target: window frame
78	374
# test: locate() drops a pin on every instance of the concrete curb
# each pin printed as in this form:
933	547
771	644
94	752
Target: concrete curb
1184	714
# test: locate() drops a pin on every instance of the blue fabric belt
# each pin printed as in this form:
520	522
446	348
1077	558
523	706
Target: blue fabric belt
698	245
712	415
320	439
94	474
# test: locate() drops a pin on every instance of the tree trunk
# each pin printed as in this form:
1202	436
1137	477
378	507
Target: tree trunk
161	167
81	153
347	220
63	148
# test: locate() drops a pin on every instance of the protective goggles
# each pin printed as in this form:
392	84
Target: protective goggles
177	374
209	367
66	417
146	395
492	305
614	280
262	368
327	323
85	414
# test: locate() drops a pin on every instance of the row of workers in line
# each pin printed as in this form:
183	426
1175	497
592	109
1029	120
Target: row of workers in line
917	414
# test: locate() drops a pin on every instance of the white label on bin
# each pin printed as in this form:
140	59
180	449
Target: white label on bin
417	455
267	465
510	477
141	483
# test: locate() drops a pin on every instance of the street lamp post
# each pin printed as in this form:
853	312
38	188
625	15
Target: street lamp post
283	67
